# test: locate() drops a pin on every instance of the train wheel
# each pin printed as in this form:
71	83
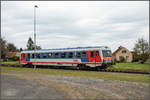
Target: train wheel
97	68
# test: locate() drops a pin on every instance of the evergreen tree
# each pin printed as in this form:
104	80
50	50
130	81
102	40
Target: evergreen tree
30	44
20	49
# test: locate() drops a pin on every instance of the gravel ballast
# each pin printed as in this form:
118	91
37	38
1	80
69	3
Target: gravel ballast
31	85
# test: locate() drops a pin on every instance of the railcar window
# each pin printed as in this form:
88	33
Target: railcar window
50	55
70	55
38	55
92	54
78	54
28	55
97	53
23	55
56	55
33	56
44	55
84	54
63	55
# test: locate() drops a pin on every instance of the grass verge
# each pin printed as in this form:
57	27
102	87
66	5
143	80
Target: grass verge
136	66
11	62
99	75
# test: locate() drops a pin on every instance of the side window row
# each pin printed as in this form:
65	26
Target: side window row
58	55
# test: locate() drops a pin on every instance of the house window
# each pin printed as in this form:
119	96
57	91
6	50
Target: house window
84	54
63	55
127	58
120	58
123	51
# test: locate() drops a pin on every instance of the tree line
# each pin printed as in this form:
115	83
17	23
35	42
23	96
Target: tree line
140	50
10	47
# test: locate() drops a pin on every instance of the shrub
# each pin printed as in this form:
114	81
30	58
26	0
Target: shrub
14	58
122	59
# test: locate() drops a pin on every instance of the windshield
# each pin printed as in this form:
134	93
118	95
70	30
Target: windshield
107	53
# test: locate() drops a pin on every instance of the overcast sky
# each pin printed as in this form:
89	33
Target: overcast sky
76	23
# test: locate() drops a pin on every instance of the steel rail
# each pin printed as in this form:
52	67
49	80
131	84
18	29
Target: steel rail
101	70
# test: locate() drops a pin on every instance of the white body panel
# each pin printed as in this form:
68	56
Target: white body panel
53	60
65	61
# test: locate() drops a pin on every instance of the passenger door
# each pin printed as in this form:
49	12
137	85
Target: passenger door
97	57
91	57
94	56
23	57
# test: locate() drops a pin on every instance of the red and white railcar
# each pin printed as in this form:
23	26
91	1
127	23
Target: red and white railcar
98	56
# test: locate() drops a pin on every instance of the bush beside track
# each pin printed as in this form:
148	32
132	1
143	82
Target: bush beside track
134	66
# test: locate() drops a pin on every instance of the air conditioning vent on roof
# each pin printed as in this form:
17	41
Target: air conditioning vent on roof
106	47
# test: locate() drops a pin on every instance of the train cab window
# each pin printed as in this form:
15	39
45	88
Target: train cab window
63	55
70	55
28	55
97	53
78	54
92	54
50	55
38	55
84	54
56	55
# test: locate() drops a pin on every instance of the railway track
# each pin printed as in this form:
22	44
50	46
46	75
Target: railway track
102	70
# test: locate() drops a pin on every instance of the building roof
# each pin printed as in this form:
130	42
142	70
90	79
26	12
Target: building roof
119	48
11	54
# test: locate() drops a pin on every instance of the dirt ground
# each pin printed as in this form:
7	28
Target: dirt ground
31	85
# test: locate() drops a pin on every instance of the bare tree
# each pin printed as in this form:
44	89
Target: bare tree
11	47
3	48
141	50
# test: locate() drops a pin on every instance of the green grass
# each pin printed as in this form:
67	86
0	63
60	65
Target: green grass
99	75
11	62
136	66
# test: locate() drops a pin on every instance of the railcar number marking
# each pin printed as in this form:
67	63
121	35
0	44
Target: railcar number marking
75	60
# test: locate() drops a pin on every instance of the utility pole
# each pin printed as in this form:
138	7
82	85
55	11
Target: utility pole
35	32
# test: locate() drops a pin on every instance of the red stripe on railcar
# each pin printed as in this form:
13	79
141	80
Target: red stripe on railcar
107	57
61	62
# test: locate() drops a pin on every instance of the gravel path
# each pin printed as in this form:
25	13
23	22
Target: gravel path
48	86
14	88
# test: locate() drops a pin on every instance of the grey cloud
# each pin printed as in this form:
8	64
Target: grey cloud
55	27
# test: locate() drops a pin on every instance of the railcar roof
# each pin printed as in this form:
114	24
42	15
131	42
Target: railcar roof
70	49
